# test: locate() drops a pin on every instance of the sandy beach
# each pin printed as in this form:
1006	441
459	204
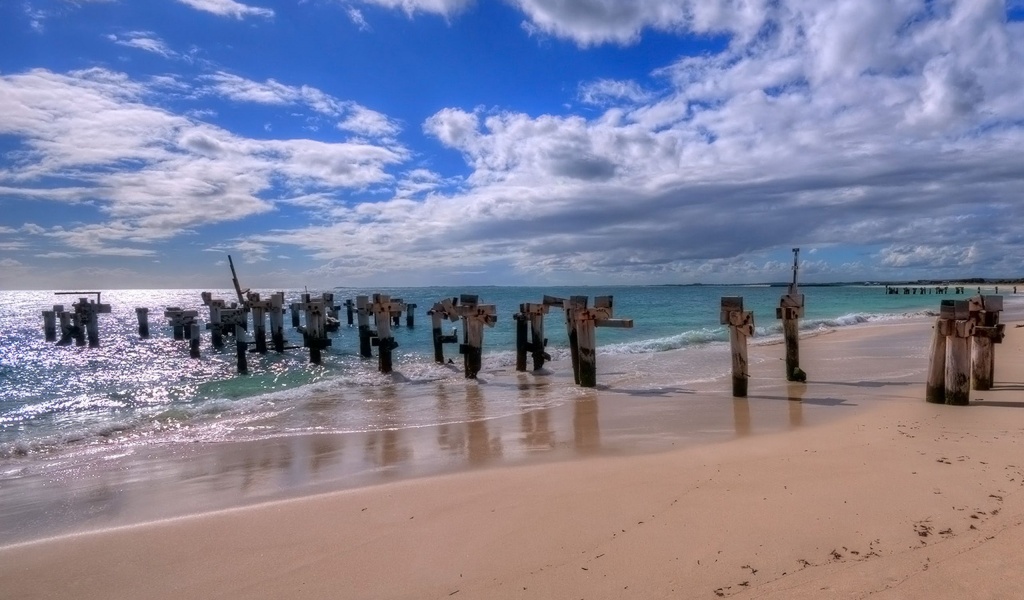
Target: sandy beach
861	489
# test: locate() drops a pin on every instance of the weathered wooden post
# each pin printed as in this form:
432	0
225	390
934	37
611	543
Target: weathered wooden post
741	327
214	323
77	328
984	313
179	320
50	324
314	334
143	315
349	306
410	321
958	357
587	320
193	344
366	335
474	317
277	321
574	304
241	347
259	309
295	314
790	310
88	314
395	316
522	319
935	386
445	309
384	308
65	327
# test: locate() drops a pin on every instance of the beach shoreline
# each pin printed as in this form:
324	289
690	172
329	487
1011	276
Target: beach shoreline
122	483
887	496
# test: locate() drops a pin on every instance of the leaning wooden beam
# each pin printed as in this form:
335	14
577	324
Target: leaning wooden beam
741	327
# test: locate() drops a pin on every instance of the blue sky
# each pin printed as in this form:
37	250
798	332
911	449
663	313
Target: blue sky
459	142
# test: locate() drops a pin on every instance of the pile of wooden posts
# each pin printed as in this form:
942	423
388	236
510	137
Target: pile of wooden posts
962	353
79	325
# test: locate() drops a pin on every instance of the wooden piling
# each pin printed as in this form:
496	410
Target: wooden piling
958	363
410	320
522	320
984	313
142	313
349	306
587	320
259	309
194	339
50	325
314	334
474	317
64	317
277	321
574	304
981	358
77	328
295	315
445	309
791	310
537	340
365	335
241	347
935	386
384	309
741	327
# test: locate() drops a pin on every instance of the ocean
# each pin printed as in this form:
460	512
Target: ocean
93	436
147	391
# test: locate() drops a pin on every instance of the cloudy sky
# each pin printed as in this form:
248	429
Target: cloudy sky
450	142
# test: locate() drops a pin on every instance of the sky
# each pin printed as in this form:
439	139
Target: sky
329	143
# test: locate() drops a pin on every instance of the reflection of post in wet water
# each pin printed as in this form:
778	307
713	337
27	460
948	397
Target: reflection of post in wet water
384	446
481	447
444	430
585	428
536	422
796	404
741	416
324	449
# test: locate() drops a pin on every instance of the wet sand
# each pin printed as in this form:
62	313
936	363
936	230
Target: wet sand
854	486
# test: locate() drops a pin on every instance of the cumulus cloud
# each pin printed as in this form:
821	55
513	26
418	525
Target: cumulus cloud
868	125
152	173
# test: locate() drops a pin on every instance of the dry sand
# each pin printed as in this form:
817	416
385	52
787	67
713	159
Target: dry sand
896	499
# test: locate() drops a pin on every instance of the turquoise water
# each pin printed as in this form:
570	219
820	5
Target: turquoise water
148	391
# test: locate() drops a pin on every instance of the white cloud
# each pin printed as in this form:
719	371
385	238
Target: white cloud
590	22
610	91
143	40
173	173
229	8
444	8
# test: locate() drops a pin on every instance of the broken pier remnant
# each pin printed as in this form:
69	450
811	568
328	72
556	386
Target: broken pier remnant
383	308
741	327
445	309
791	310
583	333
474	317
